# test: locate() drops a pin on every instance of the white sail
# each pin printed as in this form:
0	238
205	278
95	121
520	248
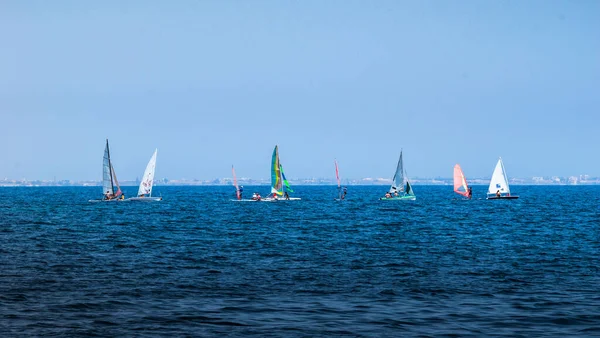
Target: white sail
107	183
398	179
148	178
499	182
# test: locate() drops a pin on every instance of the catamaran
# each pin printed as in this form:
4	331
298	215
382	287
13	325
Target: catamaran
109	180
499	188
460	183
341	191
401	188
145	190
279	184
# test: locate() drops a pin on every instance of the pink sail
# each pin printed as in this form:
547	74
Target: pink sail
337	174
237	190
460	183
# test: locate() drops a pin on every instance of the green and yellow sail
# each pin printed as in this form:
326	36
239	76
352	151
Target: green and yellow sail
276	179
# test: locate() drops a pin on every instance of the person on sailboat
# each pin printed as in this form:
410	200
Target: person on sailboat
344	192
108	196
286	195
498	193
122	197
388	195
470	194
241	190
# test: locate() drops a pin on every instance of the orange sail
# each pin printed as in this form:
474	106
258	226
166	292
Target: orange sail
460	183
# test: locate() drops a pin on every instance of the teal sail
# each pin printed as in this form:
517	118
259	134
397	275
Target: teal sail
285	181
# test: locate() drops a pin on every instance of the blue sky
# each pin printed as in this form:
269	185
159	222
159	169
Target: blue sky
216	83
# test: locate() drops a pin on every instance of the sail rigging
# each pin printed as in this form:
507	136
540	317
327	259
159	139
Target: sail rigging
148	178
460	182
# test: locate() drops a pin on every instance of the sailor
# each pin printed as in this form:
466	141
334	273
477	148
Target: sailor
396	193
470	193
344	192
241	190
107	196
122	197
388	195
254	196
498	193
286	195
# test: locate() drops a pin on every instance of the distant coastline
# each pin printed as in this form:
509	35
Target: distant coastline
555	180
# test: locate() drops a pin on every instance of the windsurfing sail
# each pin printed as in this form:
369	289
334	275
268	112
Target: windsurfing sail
109	178
237	189
337	176
148	178
460	182
499	182
276	178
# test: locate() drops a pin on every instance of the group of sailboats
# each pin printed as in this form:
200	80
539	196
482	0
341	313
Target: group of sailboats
401	189
498	188
280	187
110	185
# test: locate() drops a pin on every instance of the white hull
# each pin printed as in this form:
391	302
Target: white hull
113	200
145	199
270	199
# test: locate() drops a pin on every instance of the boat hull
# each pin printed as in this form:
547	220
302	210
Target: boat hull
145	199
503	198
113	200
399	198
269	199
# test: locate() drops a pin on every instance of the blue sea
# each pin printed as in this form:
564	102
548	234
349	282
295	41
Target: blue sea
200	264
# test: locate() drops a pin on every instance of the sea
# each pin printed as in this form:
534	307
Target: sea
200	263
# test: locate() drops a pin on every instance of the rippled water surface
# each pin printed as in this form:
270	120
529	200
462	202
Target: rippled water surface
200	264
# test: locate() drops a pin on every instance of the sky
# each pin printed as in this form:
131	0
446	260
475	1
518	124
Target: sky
218	83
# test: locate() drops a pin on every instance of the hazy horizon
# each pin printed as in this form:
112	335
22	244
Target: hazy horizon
218	83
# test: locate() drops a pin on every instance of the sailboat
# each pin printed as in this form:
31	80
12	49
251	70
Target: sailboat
279	183
401	188
109	180
460	182
145	190
499	188
341	191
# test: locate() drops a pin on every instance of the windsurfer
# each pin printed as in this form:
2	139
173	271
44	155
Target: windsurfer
241	190
470	194
344	192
